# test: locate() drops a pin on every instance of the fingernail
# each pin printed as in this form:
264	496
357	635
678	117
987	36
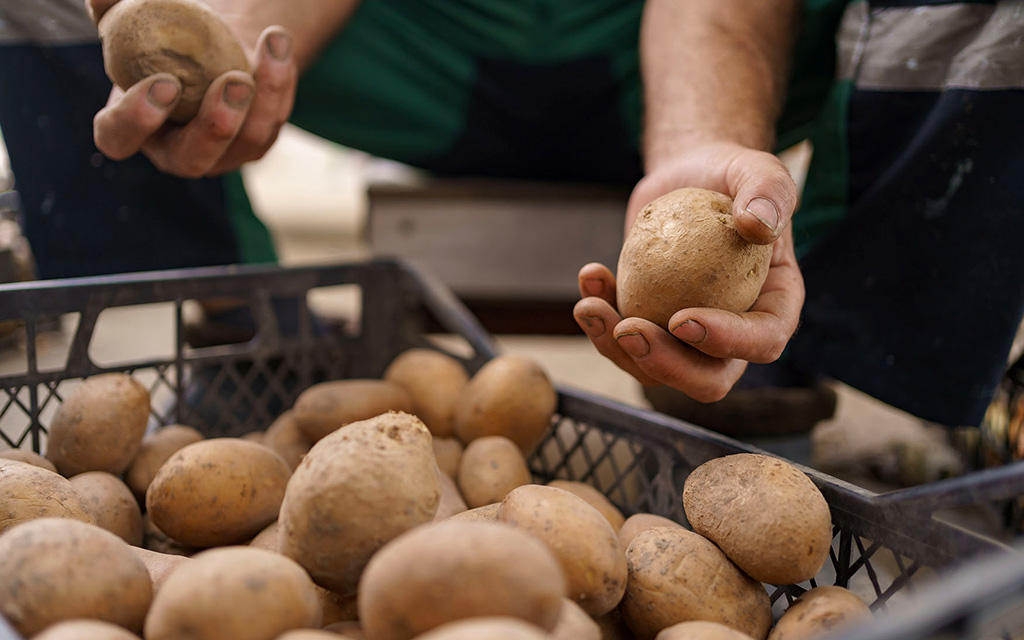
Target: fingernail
279	45
593	326
593	286
163	93
237	95
690	331
765	211
634	344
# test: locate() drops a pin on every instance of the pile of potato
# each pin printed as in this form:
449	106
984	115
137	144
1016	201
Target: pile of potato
398	508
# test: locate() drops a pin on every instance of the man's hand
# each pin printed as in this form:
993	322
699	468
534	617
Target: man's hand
707	350
238	121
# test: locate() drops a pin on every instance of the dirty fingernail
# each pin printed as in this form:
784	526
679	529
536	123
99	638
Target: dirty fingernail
237	95
163	93
593	286
690	331
765	211
592	325
634	344
279	45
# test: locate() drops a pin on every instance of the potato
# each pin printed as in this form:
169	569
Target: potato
509	396
159	565
821	612
111	504
100	426
28	492
233	592
764	513
683	251
451	498
574	624
156	540
435	575
85	630
217	492
355	490
268	538
448	452
154	451
28	457
613	627
348	630
580	537
676	576
326	407
254	436
311	634
284	437
701	630
594	498
182	37
55	569
638	522
490	467
435	381
495	628
335	607
486	513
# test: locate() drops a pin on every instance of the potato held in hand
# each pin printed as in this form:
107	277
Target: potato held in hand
683	251
182	37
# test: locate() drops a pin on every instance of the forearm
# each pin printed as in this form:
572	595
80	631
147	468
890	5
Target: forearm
312	23
714	70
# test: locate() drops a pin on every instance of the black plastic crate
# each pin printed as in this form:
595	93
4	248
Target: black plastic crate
886	547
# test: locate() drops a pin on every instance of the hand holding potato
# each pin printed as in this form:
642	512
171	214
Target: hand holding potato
706	350
238	118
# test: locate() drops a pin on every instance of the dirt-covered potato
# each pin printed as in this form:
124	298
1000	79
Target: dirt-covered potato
585	544
574	623
435	575
284	437
820	612
55	569
490	467
594	498
486	513
327	406
28	492
448	452
157	446
509	396
638	522
486	629
434	380
182	37
683	251
701	630
217	492
355	490
85	630
452	502
233	592
100	425
111	504
159	565
676	576
764	513
28	457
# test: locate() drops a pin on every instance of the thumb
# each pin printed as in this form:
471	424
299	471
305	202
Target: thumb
765	196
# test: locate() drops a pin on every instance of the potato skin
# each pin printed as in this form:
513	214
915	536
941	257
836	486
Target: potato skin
490	467
182	37
328	523
683	251
509	396
448	452
55	569
701	630
764	513
580	537
594	498
676	575
217	492
574	623
328	406
159	565
233	592
28	492
452	502
486	629
820	612
100	426
111	504
434	380
434	575
284	437
28	457
154	451
486	513
85	630
638	522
